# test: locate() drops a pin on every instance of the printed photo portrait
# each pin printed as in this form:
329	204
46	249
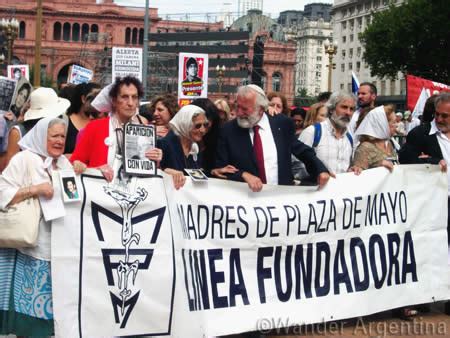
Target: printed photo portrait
197	175
70	189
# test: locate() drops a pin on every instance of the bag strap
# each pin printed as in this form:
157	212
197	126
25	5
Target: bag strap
350	138
317	134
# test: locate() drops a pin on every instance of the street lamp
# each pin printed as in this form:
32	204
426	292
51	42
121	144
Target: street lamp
330	49
10	27
220	74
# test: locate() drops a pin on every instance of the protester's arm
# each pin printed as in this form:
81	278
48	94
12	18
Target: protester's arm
223	159
13	145
413	150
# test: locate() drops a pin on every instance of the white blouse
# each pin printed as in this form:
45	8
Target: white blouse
16	176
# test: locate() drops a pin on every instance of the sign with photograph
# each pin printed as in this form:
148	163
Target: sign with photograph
192	76
7	87
69	186
16	72
137	140
127	61
78	74
21	95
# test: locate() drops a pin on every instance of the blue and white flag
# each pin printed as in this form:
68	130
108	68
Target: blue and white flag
355	83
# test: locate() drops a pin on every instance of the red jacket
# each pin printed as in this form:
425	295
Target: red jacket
91	148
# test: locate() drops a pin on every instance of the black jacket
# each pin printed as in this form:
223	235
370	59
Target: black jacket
235	148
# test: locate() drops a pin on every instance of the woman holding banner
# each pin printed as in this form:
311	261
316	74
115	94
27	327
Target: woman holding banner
25	273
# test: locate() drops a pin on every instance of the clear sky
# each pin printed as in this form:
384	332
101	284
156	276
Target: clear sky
274	7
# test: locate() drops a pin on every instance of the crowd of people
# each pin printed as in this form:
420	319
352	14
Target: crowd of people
255	138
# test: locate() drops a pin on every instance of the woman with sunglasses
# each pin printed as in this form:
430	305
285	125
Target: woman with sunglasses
181	145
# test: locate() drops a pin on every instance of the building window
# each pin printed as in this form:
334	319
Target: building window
358	52
359	23
343	53
22	30
319	58
276	82
358	66
344	39
84	31
351	37
383	87
134	36
350	53
402	87
350	66
57	31
341	86
66	31
76	32
392	91
128	35
344	25
141	36
342	67
94	28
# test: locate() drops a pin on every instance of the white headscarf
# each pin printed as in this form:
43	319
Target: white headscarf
375	124
36	141
182	124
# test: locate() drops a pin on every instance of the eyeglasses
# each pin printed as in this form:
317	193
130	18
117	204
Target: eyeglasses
441	115
199	125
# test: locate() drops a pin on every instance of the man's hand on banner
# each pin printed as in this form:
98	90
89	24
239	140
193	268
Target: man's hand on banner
254	183
323	178
220	172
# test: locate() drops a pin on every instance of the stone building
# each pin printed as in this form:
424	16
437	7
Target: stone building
351	17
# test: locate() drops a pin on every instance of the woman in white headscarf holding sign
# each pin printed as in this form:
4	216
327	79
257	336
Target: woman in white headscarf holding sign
376	148
25	281
181	145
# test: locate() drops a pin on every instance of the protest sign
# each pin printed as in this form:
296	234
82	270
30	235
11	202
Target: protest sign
16	72
192	76
296	255
21	95
78	74
138	139
127	61
7	87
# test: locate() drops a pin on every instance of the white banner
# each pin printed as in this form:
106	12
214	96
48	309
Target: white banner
247	261
126	61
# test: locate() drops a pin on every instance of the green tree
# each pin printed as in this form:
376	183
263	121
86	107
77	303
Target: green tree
411	38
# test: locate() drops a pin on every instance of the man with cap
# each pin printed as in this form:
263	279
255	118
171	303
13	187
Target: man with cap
259	146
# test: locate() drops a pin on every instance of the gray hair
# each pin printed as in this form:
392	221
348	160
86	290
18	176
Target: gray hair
441	98
56	121
337	97
261	98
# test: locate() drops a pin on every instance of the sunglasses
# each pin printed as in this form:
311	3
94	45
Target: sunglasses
199	125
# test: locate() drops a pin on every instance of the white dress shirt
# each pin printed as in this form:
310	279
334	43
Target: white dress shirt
444	144
336	153
269	150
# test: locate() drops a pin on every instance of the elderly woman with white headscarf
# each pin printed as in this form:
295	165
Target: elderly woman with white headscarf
374	134
181	145
25	276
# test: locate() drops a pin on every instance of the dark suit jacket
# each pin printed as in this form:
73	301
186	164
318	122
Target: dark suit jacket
173	155
235	148
419	141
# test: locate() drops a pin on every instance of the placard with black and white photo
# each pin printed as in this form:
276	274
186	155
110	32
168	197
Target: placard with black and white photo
137	140
7	87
